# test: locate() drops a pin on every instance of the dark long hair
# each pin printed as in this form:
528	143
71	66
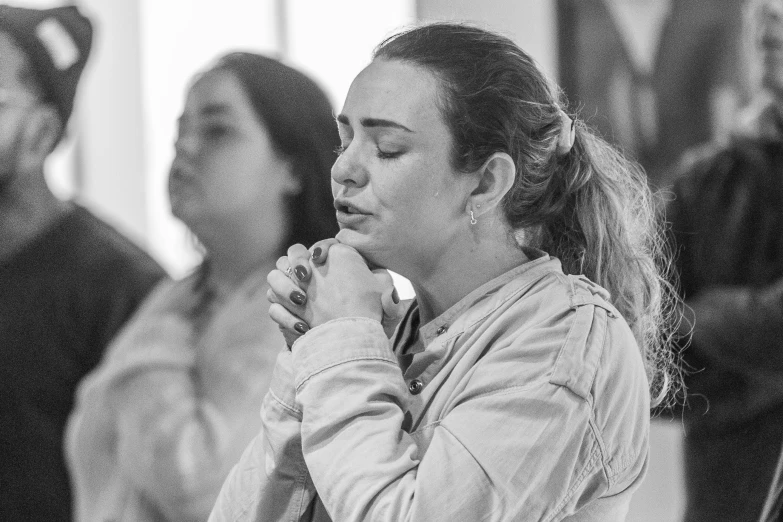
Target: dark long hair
590	207
300	121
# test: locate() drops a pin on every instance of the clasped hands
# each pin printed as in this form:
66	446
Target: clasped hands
329	281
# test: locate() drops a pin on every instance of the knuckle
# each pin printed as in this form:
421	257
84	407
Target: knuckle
296	249
384	277
340	250
273	278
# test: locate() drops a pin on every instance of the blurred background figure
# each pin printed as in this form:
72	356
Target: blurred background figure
68	281
727	220
653	76
160	423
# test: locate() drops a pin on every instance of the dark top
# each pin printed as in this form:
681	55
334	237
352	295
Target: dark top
727	218
62	298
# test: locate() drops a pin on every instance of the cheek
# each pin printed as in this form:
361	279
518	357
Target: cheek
416	194
235	179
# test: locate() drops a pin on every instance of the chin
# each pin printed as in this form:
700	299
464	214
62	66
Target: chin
353	239
366	246
179	209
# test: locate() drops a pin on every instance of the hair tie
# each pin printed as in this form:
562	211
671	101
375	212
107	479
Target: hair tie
567	134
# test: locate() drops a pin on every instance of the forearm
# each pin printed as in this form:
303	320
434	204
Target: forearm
362	463
493	454
365	466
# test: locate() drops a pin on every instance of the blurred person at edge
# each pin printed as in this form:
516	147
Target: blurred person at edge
68	281
514	387
160	422
727	222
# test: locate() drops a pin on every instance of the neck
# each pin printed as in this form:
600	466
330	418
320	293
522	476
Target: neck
484	255
232	259
27	208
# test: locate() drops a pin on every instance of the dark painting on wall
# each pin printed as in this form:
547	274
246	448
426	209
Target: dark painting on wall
653	76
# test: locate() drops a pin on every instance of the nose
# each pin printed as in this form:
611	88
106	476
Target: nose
347	170
186	145
186	150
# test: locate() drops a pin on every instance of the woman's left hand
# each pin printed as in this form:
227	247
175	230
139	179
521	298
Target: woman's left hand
341	287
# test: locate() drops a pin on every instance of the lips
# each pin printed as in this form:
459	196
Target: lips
348	213
180	171
772	41
347	207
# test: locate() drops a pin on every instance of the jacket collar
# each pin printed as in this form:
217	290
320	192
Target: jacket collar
482	301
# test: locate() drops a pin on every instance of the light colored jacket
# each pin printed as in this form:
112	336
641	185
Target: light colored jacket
530	402
160	422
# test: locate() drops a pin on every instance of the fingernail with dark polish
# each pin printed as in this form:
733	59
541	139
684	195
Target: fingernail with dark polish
395	296
317	253
300	272
297	298
301	328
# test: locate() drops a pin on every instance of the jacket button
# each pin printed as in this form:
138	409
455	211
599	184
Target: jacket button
415	387
442	329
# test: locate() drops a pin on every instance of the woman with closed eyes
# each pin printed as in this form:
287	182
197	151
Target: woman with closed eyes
519	381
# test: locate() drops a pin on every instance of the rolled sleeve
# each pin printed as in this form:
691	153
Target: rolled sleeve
337	342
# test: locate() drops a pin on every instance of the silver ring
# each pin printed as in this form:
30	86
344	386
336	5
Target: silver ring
289	271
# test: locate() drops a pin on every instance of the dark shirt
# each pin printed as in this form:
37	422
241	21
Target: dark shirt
727	218
62	298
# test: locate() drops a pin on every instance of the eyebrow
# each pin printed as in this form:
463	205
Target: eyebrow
373	122
215	109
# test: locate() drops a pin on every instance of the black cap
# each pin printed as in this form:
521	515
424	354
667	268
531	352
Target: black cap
57	43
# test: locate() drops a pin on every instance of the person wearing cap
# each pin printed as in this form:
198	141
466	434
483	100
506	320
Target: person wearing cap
68	281
727	218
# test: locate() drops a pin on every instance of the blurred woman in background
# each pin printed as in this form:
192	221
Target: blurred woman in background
160	422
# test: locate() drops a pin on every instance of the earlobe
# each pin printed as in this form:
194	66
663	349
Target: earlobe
496	177
42	133
292	184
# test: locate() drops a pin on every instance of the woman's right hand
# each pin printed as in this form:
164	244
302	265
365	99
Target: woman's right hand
297	265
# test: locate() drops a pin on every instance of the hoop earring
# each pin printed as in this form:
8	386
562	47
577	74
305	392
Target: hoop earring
473	220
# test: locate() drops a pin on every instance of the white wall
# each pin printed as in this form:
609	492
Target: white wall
110	120
333	40
530	23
